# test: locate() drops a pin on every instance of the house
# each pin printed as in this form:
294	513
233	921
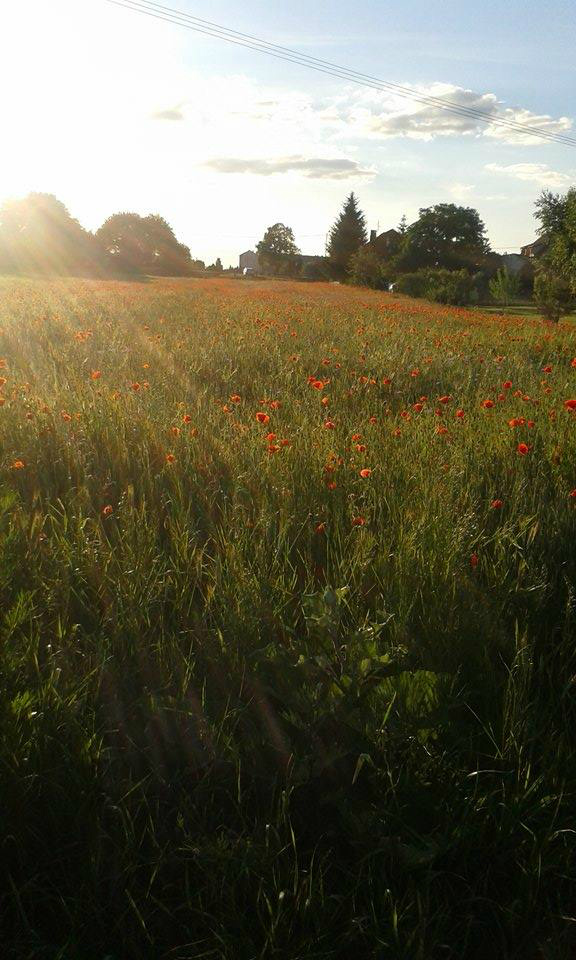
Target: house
385	244
249	261
536	249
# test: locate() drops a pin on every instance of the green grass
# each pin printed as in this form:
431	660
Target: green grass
254	704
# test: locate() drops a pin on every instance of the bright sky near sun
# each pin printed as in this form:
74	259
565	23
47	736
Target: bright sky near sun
113	110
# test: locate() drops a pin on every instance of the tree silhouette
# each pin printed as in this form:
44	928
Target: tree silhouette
38	235
346	236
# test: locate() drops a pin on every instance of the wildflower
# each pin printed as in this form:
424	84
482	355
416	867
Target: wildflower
107	510
572	494
186	418
570	404
573	362
459	414
445	399
387	381
262	417
331	485
522	449
361	447
415	372
487	404
507	384
396	432
365	473
273	448
285	443
373	420
329	425
274	404
320	528
358	522
497	504
547	368
170	458
270	437
318	384
135	386
324	401
18	465
474	561
66	416
96	374
356	436
235	398
175	431
441	430
418	407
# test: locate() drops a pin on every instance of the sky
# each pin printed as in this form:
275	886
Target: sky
111	110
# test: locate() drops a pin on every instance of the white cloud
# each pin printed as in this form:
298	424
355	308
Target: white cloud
316	168
460	191
382	115
533	173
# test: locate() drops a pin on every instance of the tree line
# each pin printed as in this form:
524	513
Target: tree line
444	255
38	235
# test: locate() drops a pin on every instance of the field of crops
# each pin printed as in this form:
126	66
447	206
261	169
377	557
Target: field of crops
288	625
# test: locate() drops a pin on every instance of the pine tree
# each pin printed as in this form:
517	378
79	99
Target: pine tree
347	235
403	225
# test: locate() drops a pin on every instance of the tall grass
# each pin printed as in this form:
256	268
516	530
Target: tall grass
254	704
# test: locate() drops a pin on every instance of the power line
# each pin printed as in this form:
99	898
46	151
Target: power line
209	28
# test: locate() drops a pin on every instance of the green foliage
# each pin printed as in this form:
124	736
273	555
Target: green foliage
552	294
557	216
444	236
367	270
504	287
277	250
346	236
143	245
456	287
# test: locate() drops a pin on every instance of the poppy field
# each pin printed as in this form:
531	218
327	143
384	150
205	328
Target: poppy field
288	625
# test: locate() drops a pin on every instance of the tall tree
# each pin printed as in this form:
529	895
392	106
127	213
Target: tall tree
445	236
346	236
38	235
277	249
557	217
135	244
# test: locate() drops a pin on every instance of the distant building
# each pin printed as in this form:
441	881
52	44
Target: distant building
536	249
385	244
249	261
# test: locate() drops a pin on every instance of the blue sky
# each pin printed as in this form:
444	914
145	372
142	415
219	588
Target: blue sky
112	110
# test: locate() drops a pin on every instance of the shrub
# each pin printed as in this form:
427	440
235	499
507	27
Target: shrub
367	269
552	295
456	287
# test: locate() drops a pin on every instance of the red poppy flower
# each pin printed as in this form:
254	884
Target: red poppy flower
474	561
270	437
365	473
570	404
262	417
522	449
273	448
573	362
547	368
459	414
487	404
186	418
361	447
572	494
318	384
441	430
497	504
358	522
235	398
107	510
170	458
445	399
95	375
418	407
320	528
387	381
329	425
325	401
507	384
285	443
135	386
175	431
18	465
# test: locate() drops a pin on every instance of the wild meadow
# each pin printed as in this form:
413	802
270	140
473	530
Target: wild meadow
288	625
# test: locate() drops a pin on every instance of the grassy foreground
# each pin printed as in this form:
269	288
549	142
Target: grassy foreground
288	625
